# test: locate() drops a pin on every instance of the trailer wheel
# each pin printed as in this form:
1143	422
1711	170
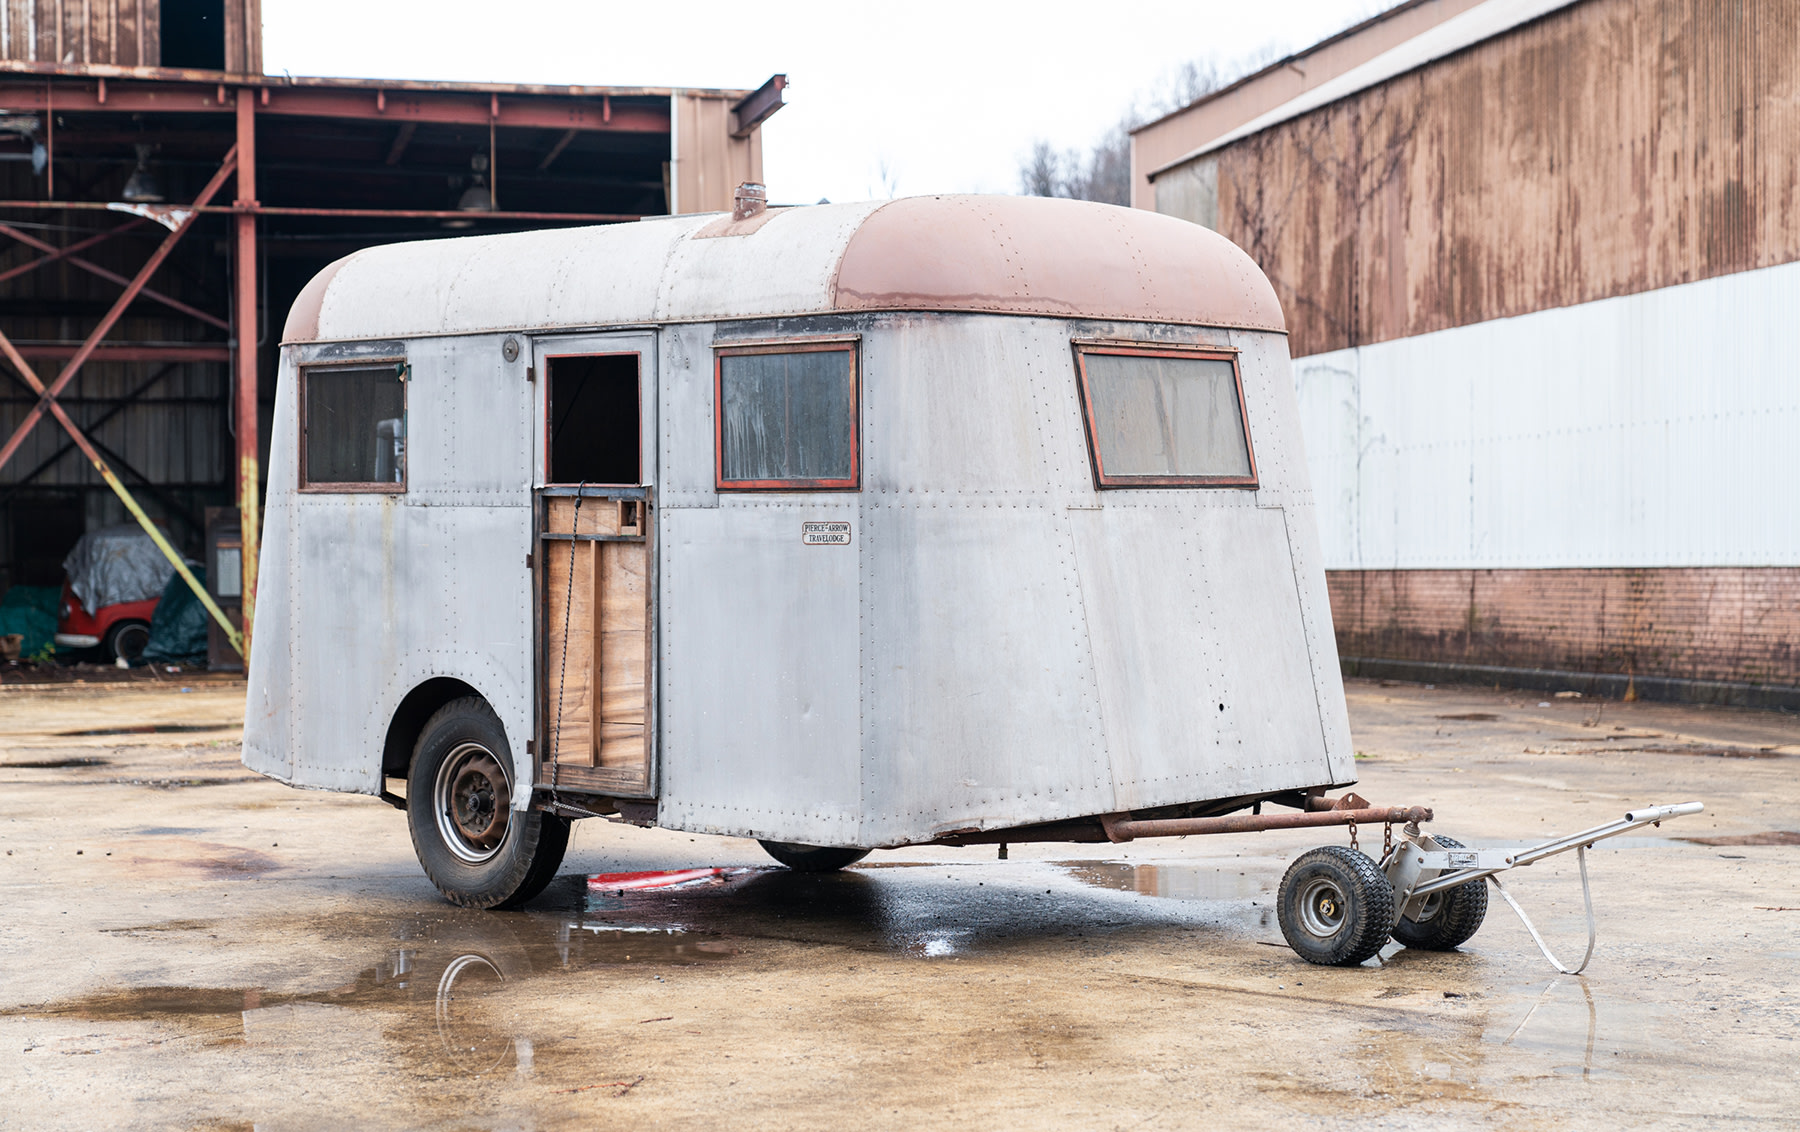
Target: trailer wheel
1446	919
812	858
1335	906
477	850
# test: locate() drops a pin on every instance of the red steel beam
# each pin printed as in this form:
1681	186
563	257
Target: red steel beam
71	249
48	398
459	108
353	213
244	315
129	353
115	277
73	366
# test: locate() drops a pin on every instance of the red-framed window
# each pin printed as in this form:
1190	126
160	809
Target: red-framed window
1162	416
353	427
785	416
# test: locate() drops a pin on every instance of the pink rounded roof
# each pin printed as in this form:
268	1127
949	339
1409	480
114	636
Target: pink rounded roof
992	254
1036	255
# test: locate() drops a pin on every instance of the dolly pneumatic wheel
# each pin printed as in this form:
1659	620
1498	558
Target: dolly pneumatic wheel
812	858
1335	906
1445	920
478	850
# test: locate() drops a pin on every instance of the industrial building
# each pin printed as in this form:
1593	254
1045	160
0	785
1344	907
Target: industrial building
1538	260
162	201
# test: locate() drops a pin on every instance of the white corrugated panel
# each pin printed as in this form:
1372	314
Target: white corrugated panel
1656	429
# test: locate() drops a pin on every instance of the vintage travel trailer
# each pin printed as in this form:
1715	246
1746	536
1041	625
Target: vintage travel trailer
939	520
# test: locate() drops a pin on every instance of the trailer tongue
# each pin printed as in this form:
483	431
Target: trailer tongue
1338	906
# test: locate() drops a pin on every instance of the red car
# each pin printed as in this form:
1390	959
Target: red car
120	630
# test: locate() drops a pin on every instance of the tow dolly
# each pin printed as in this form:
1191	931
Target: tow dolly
1338	906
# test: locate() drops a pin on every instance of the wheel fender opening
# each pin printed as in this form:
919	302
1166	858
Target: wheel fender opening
409	721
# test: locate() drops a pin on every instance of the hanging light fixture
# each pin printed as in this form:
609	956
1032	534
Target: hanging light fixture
142	188
477	197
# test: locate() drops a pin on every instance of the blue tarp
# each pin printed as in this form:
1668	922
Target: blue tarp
31	612
178	628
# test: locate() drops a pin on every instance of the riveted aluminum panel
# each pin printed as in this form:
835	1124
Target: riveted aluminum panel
269	708
384	592
979	699
1270	677
759	656
685	396
1650	430
786	265
1157	656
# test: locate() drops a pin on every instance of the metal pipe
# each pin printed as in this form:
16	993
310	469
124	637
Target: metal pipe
113	315
244	315
1126	829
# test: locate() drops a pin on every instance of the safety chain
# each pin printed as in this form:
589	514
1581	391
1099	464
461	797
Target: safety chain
1387	841
1353	842
563	674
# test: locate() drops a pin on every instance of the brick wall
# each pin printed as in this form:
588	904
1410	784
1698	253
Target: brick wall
1711	623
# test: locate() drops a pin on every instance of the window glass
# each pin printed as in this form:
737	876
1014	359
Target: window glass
787	419
1168	419
356	426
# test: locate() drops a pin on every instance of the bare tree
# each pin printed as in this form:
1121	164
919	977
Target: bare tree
1102	172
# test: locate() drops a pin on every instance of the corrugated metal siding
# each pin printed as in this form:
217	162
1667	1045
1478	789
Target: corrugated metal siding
1650	430
1614	147
127	33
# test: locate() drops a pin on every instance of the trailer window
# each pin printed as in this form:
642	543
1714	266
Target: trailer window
786	417
354	420
1165	418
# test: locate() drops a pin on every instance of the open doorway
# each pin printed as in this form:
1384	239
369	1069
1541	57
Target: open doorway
595	435
193	34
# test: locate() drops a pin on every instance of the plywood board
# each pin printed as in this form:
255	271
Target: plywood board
601	668
570	659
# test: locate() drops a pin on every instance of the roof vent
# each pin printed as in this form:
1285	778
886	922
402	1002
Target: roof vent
751	198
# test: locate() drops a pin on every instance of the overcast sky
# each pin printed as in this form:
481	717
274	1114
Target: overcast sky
944	96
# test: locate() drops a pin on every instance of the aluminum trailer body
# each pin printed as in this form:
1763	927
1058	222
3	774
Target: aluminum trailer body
937	527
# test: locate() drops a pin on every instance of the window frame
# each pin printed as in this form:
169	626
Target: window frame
1104	480
550	408
306	486
848	345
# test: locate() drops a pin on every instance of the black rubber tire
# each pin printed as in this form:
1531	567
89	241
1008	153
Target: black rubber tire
1450	917
127	639
531	844
812	858
1335	906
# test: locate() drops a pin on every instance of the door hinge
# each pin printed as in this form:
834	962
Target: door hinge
530	373
531	746
527	561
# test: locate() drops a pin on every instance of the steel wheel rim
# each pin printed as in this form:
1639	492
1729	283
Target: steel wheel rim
472	798
1429	907
1323	908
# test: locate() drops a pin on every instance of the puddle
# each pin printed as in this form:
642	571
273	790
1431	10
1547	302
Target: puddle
1471	717
145	729
57	764
1179	882
441	982
1772	837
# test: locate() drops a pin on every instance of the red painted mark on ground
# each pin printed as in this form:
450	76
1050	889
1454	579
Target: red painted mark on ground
665	878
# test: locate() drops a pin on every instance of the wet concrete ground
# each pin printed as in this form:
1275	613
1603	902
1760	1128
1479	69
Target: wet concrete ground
188	945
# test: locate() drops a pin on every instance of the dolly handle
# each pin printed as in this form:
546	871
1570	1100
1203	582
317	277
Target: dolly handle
1658	813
